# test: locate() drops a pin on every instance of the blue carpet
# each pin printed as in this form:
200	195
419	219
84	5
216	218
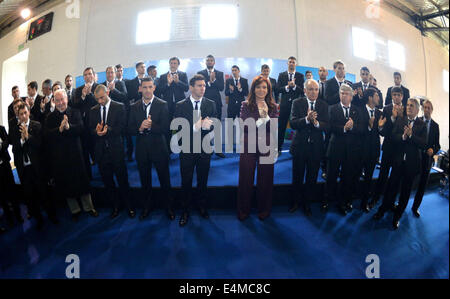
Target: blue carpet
284	246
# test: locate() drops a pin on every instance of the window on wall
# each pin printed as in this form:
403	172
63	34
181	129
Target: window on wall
187	23
363	44
218	22
396	55
445	77
147	33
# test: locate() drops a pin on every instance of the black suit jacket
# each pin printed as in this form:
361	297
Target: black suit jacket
332	91
112	141
288	96
184	109
236	97
4	154
433	137
70	95
119	93
175	90
85	105
386	132
11	113
406	96
307	133
371	137
213	91
32	147
152	142
132	87
322	91
409	150
36	110
359	101
349	143
276	94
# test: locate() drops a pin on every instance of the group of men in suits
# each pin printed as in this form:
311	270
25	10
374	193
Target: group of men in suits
344	126
336	123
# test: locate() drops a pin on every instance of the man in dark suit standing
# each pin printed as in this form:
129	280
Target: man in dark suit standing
309	117
409	138
343	150
68	81
149	122
265	72
152	73
45	102
33	100
63	128
391	113
361	87
199	112
373	81
236	89
323	75
432	147
15	92
172	85
7	184
84	100
372	122
290	85
398	83
26	139
332	97
117	90
107	123
134	94
214	84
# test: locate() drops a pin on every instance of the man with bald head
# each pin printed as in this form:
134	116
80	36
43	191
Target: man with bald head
64	127
107	124
309	119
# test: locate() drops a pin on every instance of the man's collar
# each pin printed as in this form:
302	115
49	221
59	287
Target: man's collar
151	100
194	100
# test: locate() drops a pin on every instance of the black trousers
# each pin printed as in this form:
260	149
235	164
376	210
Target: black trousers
87	143
424	175
234	110
399	177
35	194
348	169
385	167
109	167
301	163
285	113
188	163
8	192
368	165
145	164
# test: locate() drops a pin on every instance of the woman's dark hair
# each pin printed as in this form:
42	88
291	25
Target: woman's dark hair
251	100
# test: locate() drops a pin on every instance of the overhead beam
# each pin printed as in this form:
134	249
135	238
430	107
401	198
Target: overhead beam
434	15
435	29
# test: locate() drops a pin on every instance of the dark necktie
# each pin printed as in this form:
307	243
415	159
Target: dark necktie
196	105
346	112
365	87
410	122
371	113
312	106
236	81
145	109
104	115
321	88
290	77
340	83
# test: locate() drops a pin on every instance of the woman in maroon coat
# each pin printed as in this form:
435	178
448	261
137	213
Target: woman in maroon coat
260	106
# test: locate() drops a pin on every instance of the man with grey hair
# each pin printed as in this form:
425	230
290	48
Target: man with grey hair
409	136
309	119
107	124
117	90
343	150
64	127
